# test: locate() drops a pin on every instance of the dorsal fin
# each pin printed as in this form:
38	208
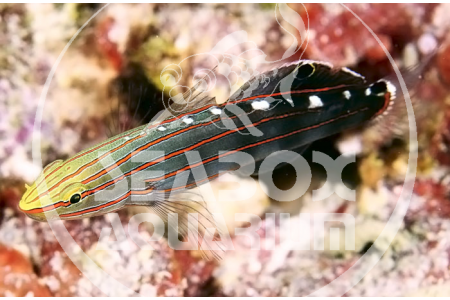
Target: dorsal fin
300	75
193	98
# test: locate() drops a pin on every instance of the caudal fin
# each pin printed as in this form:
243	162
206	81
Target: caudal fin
394	121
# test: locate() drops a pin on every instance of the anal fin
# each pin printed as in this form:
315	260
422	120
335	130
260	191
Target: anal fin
185	204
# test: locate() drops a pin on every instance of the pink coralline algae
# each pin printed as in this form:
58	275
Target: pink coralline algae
339	37
153	36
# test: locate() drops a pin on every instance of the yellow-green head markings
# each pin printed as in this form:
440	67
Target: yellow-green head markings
62	185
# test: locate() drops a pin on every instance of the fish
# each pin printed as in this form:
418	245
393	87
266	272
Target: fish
286	108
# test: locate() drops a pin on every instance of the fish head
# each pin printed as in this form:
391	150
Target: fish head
55	194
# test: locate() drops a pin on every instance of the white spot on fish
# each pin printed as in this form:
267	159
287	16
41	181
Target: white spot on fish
314	102
126	138
290	102
161	128
368	91
187	120
351	72
215	110
260	105
347	94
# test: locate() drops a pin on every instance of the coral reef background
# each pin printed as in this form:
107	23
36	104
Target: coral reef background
118	58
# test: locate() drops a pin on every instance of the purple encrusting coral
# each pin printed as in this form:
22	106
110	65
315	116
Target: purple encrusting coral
153	36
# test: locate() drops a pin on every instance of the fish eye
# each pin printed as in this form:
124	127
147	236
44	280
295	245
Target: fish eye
75	198
72	192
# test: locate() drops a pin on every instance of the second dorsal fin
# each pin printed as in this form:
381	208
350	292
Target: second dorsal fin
297	76
300	75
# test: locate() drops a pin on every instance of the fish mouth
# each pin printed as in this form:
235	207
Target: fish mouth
36	217
20	205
